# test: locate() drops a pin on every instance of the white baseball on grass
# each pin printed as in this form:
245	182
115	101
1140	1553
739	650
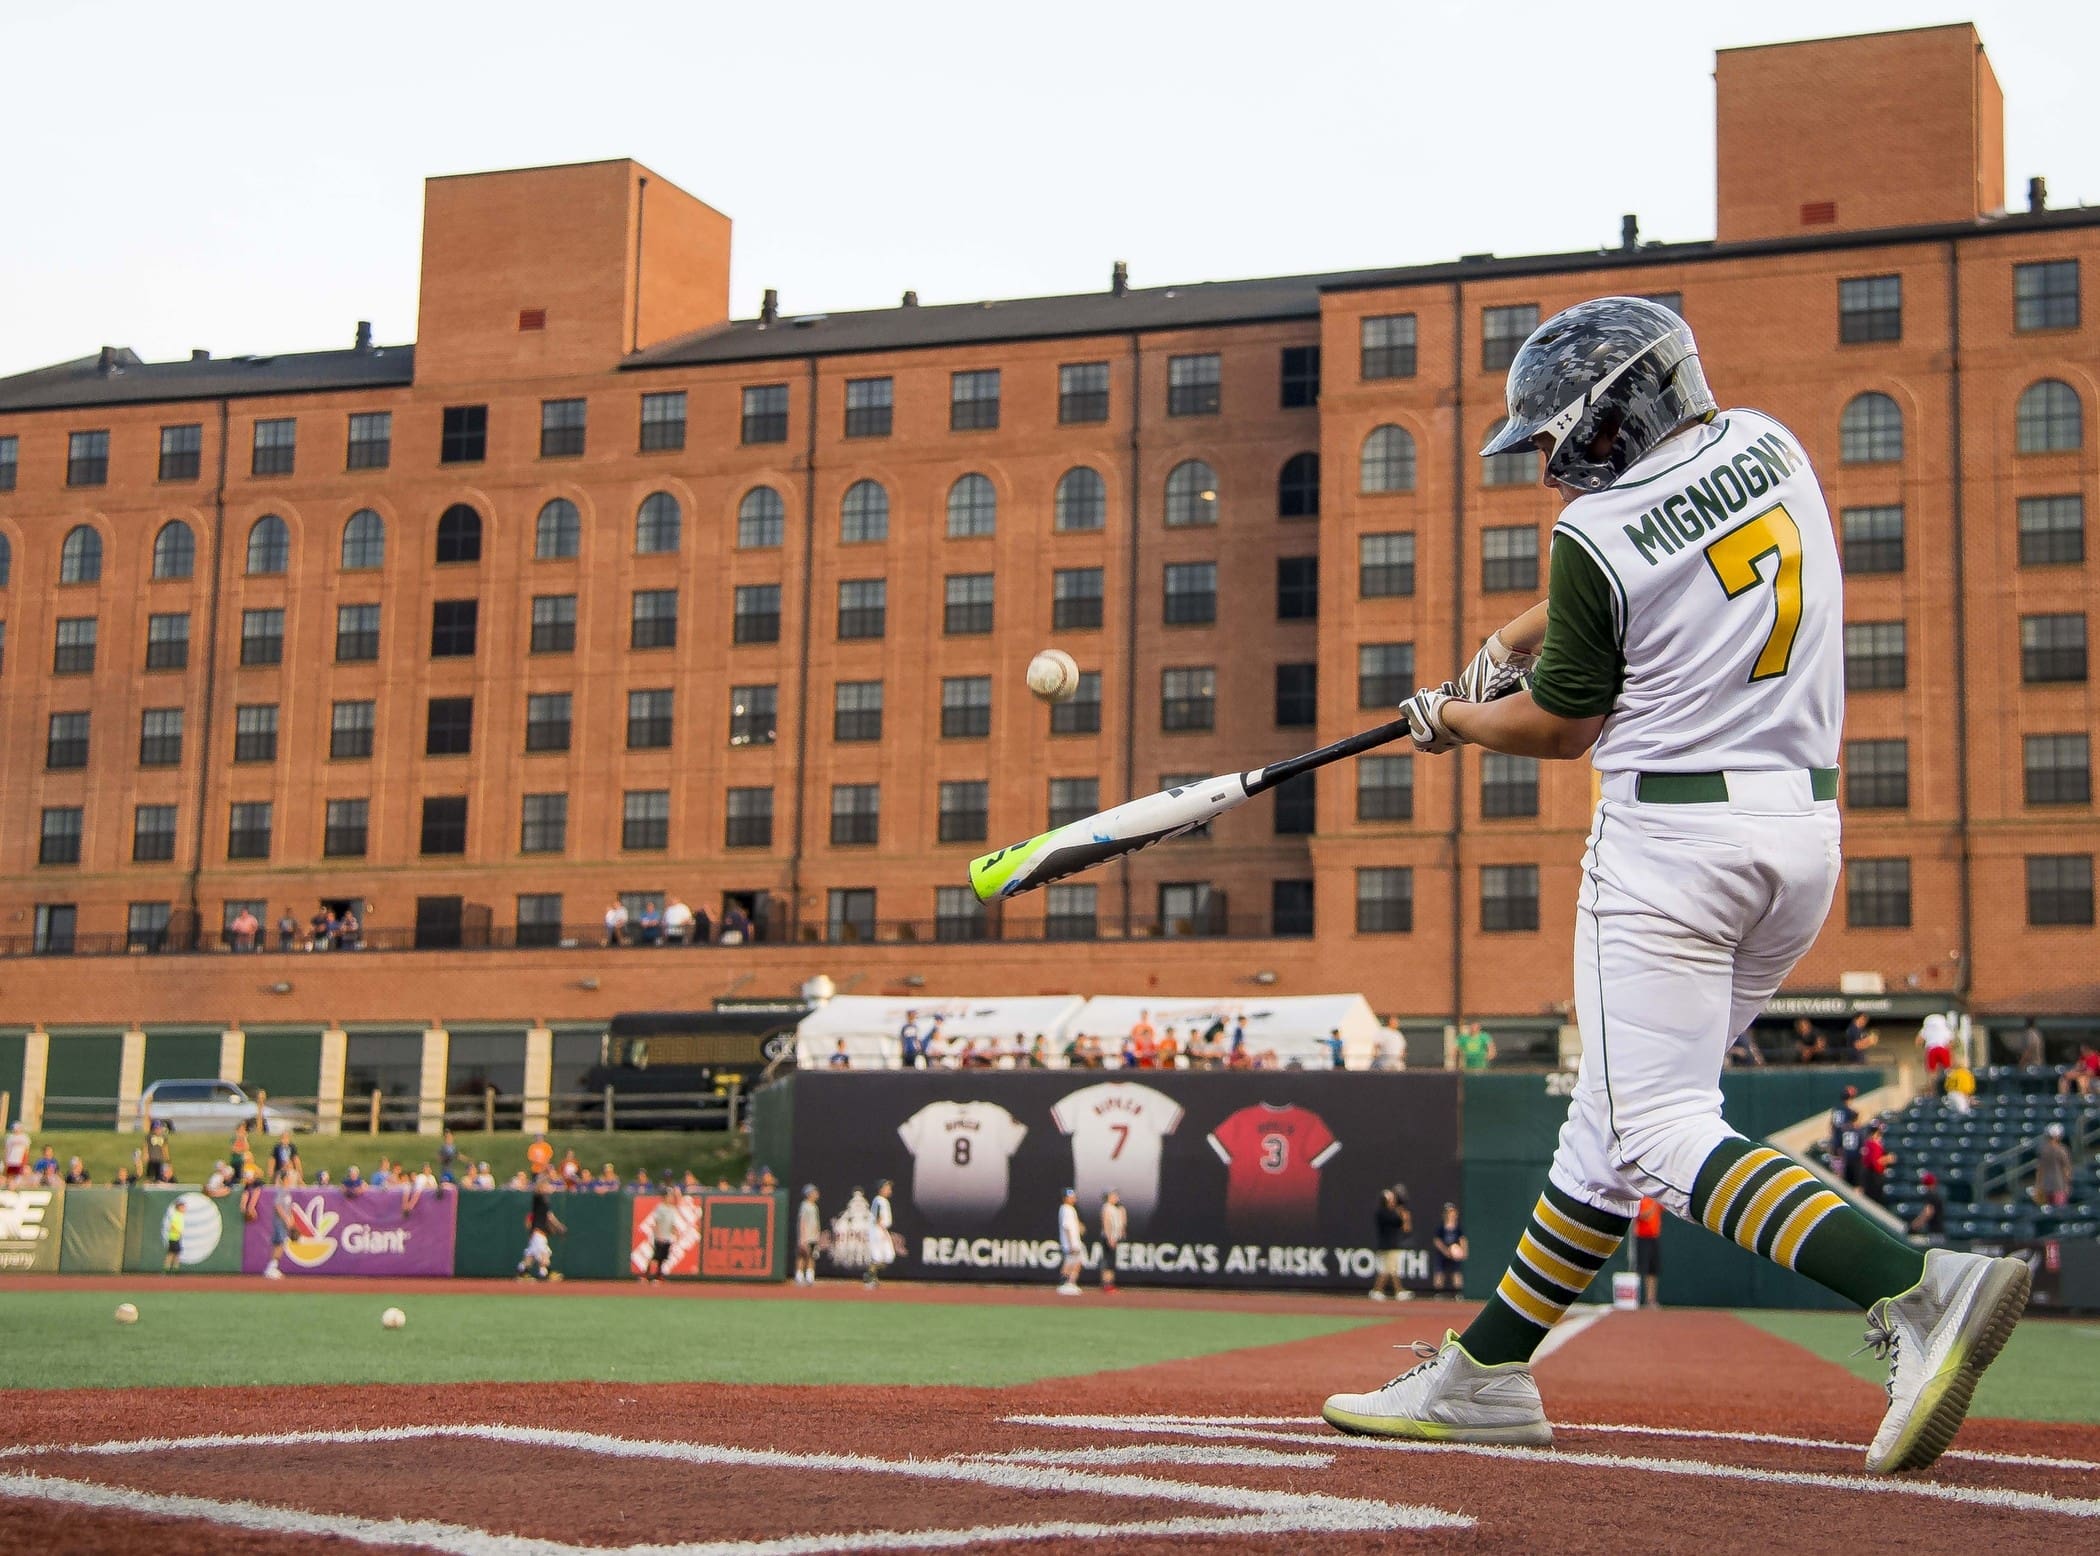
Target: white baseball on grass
126	1313
392	1318
1053	675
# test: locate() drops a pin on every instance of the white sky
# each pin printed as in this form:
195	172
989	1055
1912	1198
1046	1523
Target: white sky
248	177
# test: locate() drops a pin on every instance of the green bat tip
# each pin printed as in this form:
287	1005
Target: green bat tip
993	875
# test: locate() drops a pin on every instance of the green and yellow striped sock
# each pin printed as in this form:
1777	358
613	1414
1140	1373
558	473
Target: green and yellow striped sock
1564	1244
1766	1202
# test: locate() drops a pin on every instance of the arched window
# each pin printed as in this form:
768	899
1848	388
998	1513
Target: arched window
1298	487
7	561
973	507
269	547
761	519
559	532
864	512
657	524
364	542
175	551
459	534
1388	463
1192	494
2050	419
80	558
1517	467
1870	432
1082	500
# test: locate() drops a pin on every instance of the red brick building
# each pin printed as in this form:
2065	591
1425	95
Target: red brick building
595	591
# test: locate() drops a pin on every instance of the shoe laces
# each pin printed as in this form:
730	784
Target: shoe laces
1885	1340
1423	1349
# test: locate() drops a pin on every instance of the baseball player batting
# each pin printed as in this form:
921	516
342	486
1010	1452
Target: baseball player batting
1691	642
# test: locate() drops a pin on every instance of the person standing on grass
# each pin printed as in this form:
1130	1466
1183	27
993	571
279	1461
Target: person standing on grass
1647	1249
663	1232
173	1224
882	1242
809	1236
1391	1224
1071	1243
281	1214
1115	1222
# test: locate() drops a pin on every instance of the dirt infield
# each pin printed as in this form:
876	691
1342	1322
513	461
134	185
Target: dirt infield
1676	1431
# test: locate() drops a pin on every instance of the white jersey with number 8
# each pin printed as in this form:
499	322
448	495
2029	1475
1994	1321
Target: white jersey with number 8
959	1154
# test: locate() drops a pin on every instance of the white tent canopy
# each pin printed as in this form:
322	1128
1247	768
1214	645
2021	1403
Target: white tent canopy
1292	1026
869	1024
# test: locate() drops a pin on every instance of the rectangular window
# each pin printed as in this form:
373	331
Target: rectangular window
765	413
1297	588
1870	308
1183	781
869	402
1385	788
755	614
454	628
543	824
448	726
1502	331
973	400
1070	913
55	924
966	707
2045	295
1082	393
10	461
553	623
1301	377
1874	656
1385	674
1082	715
1385	901
967	604
181	451
965	811
73	646
146	926
2058	769
1188	698
276	445
957	914
1509	558
649	719
2052	530
1877	893
87	458
863	607
1297	696
444	829
1873	539
562	427
356	633
168	641
1193	385
2059	889
465	436
1077	597
645	819
1297	806
849	913
371	444
1387	346
548	723
1291	909
749	821
345	829
1877	774
663	421
255	732
539	918
66	742
856	711
653	619
2052	648
1187	908
1509	785
1191	594
160	737
153	834
248	830
1386	565
856	813
59	840
754	715
350	728
262	637
1509	898
1073	799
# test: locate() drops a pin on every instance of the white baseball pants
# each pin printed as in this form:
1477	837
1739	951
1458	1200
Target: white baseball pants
1689	918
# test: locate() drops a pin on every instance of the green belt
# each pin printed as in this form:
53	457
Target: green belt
1712	788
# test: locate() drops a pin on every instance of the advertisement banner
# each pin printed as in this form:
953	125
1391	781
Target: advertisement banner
1248	1179
91	1241
211	1232
685	1246
740	1242
30	1220
373	1233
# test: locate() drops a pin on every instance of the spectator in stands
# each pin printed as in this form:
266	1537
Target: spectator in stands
1932	1210
642	1183
1476	1046
1647	1249
652	923
353	1181
616	923
16	1164
46	1165
1961	1090
424	1181
1875	1160
320	929
2033	1052
1389	1051
1858	1038
2082	1074
1039	1054
571	1170
1170	1050
481	1177
157	1168
1390	1226
1744	1049
1447	1252
1936	1037
678	922
1842	1118
1809	1044
939	1048
244	928
1144	1037
348	933
911	1051
539	1155
220	1181
284	1159
2052	1168
1238	1045
736	924
1334	1049
287	928
840	1059
608	1180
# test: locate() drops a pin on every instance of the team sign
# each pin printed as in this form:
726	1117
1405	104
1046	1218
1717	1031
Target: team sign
1245	1179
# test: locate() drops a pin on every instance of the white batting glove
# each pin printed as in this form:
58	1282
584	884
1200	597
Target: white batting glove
1425	717
1496	671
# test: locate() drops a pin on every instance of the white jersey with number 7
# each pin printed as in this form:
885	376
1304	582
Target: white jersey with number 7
1117	1130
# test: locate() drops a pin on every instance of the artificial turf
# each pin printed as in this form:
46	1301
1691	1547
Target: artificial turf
541	1334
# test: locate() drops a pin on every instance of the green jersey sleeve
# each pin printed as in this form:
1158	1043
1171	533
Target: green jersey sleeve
1582	664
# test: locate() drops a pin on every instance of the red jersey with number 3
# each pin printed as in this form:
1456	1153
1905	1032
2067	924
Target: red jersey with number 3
1273	1156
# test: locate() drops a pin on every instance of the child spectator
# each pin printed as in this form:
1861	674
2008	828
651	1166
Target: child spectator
173	1224
809	1236
1447	1252
1390	1224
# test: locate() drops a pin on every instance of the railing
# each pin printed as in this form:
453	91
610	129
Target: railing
2004	1171
377	1111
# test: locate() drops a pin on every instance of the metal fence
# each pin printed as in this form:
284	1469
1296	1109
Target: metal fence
377	1112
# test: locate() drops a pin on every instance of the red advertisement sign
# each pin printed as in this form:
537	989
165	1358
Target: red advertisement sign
685	1247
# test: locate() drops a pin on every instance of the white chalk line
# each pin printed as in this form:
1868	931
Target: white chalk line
1571	1327
1934	1491
1159	1453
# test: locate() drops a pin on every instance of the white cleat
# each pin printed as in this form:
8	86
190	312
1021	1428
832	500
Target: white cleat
1449	1398
1068	1290
1938	1337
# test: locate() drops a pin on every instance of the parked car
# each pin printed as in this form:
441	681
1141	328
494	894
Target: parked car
214	1105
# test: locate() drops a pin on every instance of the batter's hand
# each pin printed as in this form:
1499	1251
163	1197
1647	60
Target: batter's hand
1496	671
1425	717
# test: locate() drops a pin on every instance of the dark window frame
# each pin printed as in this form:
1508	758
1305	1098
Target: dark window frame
1870	309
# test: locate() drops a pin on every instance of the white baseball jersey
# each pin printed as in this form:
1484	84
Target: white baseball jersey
1727	601
1118	1130
959	1153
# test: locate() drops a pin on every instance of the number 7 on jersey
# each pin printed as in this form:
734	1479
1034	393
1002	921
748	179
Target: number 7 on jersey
1735	558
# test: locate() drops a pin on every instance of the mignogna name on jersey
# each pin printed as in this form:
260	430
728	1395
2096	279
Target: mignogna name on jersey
1685	518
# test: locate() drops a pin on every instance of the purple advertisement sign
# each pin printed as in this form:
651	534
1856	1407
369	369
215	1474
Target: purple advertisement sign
374	1233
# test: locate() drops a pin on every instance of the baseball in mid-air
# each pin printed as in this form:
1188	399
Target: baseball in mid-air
126	1313
392	1318
1053	676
